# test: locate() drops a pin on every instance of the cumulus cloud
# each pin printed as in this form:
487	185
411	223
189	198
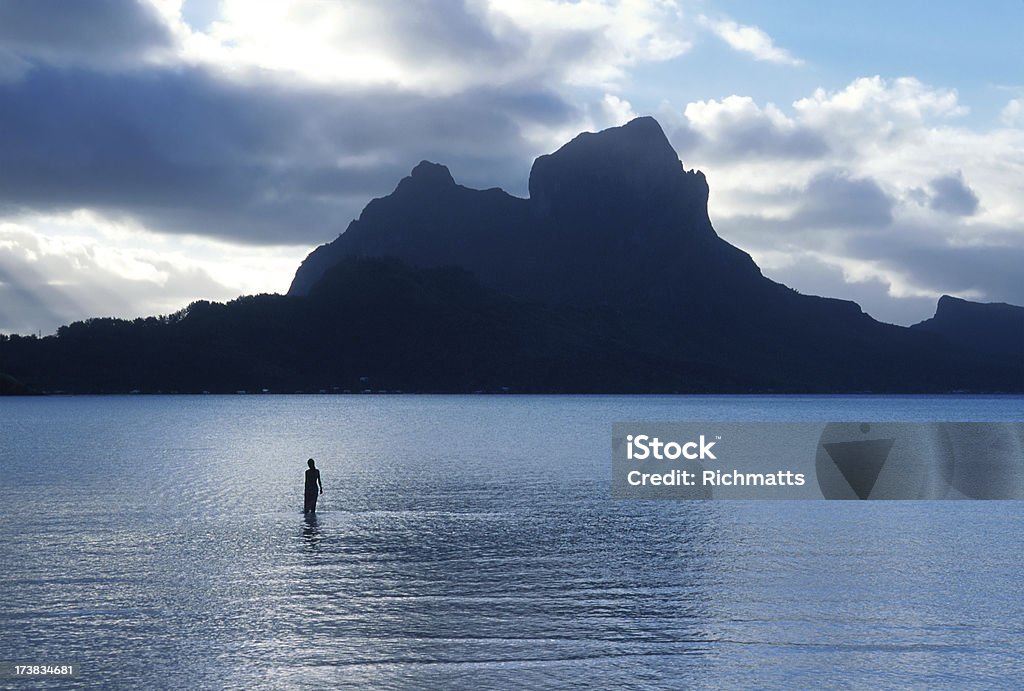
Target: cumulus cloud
873	114
595	42
950	194
424	46
412	45
1012	114
882	197
736	127
616	111
750	40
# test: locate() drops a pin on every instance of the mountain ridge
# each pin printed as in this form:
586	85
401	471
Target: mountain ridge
581	210
609	278
614	220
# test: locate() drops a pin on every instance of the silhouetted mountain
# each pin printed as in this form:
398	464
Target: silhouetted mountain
614	221
612	218
993	327
608	278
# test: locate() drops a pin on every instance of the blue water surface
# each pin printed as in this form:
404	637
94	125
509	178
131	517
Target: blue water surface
471	542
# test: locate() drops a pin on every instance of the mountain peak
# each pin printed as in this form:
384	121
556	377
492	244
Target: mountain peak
621	192
947	302
432	175
632	161
641	136
950	306
992	327
644	132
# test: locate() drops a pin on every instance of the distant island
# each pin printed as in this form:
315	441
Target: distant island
609	278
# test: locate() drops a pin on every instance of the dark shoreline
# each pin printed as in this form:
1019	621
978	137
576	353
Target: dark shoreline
525	394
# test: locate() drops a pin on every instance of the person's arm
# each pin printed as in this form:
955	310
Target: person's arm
319	483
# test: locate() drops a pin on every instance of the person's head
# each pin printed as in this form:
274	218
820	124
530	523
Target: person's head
311	463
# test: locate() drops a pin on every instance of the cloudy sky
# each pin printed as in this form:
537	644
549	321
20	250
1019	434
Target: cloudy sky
155	152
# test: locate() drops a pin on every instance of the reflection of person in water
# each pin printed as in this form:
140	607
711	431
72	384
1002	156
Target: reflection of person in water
312	482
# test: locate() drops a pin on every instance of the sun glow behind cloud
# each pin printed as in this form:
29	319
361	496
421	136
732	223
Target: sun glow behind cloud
82	264
440	48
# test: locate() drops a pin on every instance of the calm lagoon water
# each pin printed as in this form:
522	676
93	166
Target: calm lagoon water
158	542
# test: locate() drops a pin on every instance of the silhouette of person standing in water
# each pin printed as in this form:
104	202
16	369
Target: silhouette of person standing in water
312	483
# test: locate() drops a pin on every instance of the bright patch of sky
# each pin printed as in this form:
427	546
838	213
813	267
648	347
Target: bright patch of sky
973	48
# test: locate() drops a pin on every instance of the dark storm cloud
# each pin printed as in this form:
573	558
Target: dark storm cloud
183	151
951	195
416	29
918	258
991	269
812	276
834	199
107	32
